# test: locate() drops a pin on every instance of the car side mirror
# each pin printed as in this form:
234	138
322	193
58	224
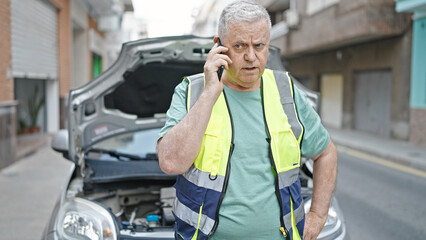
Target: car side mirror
60	142
312	96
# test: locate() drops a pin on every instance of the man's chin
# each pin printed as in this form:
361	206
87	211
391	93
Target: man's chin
250	78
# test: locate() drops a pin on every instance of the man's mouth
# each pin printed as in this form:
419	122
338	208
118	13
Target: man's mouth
250	68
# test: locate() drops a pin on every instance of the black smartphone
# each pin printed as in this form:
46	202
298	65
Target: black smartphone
220	70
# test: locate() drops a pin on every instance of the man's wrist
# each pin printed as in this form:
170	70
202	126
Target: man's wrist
211	93
319	215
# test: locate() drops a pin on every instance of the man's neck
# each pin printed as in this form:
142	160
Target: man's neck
246	87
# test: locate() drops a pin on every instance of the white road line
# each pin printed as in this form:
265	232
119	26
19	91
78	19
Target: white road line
381	161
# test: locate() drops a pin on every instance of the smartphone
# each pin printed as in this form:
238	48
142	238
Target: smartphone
220	70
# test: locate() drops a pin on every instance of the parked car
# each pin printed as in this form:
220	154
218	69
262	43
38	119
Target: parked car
116	189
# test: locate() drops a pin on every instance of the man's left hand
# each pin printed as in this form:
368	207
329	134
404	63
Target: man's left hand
313	225
325	172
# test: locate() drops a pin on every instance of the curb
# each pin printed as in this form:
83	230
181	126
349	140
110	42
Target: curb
398	152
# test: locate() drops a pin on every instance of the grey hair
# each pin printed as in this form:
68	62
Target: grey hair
241	11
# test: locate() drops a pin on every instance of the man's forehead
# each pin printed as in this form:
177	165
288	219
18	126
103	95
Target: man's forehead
249	40
246	34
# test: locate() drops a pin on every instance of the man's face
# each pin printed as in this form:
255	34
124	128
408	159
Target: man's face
248	49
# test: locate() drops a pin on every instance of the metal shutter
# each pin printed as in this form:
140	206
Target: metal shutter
373	99
34	39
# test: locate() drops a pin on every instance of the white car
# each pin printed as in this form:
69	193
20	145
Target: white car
116	189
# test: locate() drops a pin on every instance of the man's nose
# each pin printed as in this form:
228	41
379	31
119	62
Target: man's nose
250	55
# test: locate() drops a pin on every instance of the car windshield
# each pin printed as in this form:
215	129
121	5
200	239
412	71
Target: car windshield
140	145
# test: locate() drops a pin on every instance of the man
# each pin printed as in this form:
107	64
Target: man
232	183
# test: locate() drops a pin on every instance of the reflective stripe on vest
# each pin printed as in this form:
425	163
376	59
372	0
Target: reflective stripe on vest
201	189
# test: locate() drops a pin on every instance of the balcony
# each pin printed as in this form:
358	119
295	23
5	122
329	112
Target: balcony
342	24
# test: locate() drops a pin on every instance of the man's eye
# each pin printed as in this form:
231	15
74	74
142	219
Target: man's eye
259	45
238	46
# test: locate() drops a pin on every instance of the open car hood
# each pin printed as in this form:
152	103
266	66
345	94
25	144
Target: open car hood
136	91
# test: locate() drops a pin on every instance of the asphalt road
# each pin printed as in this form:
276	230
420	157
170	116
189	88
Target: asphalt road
378	201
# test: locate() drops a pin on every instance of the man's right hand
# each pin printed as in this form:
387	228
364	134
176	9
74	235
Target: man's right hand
215	59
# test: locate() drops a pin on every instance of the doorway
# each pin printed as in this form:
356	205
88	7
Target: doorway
331	100
372	107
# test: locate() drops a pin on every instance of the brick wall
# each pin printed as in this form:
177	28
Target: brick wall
7	105
65	45
6	81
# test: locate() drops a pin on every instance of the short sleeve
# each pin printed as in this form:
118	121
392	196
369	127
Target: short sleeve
177	108
315	137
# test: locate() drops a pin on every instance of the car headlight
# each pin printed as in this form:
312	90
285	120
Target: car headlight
79	218
334	227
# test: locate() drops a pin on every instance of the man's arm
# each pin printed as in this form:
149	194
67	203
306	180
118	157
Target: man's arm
325	172
179	147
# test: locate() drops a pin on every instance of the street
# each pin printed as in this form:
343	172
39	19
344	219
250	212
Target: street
380	202
29	190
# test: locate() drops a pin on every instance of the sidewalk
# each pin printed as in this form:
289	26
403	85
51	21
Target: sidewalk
28	144
391	150
30	188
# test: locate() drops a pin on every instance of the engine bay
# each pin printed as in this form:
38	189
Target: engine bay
143	205
144	209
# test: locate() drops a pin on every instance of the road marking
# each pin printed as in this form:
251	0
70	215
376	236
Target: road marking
381	161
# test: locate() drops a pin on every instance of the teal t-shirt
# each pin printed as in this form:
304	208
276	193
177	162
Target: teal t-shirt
250	208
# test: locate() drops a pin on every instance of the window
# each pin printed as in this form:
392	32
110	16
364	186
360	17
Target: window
96	65
31	114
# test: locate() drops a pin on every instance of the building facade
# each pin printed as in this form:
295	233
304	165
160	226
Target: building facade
49	47
358	55
418	68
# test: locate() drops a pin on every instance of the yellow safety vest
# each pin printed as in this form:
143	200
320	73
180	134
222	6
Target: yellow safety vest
201	189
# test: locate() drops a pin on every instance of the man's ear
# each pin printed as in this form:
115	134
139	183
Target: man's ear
215	38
